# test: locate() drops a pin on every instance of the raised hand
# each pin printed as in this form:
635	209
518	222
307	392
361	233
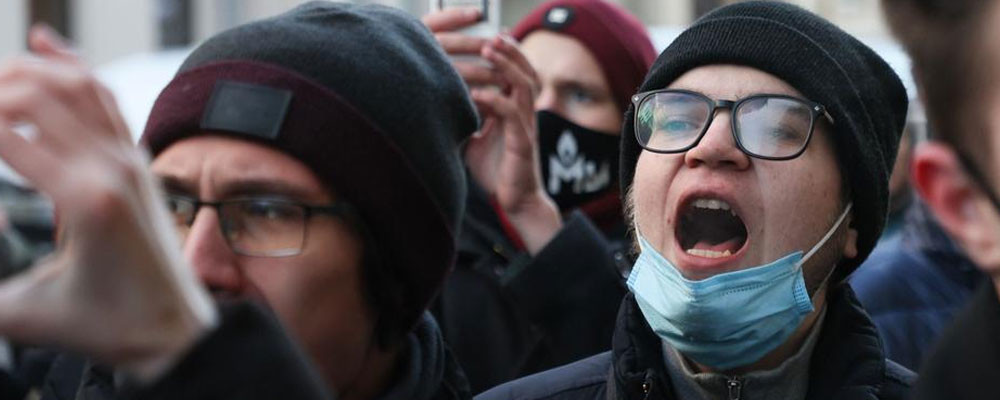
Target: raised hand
502	157
116	288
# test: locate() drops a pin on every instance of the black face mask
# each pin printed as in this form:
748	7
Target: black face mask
578	164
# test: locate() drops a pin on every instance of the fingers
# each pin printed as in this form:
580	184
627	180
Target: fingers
46	42
27	97
507	46
451	19
457	43
28	159
476	74
110	105
27	87
516	119
491	102
510	65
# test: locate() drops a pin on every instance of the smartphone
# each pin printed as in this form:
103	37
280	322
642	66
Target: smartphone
489	11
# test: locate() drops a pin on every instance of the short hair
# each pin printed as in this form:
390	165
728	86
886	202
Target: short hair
943	38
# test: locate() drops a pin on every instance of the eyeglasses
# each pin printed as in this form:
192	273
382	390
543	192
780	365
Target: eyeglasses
770	127
255	226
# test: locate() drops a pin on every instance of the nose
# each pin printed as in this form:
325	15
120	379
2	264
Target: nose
548	99
215	263
717	148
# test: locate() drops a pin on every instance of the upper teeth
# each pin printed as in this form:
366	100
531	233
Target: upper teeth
708	253
712	204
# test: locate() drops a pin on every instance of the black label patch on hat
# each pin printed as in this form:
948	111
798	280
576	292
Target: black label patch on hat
246	108
558	18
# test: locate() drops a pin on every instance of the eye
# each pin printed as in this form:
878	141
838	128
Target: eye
785	134
178	205
578	94
268	210
678	125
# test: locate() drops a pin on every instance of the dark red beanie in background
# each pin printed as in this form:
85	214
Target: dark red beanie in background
617	39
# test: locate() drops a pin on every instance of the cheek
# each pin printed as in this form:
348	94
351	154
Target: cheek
318	294
801	203
653	214
602	116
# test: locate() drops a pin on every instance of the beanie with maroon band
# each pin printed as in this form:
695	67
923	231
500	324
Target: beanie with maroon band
362	95
616	38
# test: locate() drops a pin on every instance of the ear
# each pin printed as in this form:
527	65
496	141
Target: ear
959	205
850	250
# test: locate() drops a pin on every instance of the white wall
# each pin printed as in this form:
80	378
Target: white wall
107	29
13	23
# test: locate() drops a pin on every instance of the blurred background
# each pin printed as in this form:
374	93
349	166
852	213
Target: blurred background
136	45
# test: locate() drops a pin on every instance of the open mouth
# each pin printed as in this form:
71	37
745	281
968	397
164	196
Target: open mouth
710	228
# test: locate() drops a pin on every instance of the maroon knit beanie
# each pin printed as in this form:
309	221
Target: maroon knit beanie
617	39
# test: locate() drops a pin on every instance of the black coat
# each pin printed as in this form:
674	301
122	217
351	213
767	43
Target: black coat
965	364
848	363
247	357
506	314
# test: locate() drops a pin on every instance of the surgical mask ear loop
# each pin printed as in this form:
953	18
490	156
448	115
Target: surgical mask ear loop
820	244
829	234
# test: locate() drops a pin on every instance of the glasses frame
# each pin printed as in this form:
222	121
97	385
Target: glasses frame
815	110
338	208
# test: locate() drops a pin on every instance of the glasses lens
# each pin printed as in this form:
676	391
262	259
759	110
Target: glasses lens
260	227
671	121
181	213
773	127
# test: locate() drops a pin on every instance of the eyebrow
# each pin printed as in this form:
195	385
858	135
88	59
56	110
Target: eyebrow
594	87
251	187
740	95
173	184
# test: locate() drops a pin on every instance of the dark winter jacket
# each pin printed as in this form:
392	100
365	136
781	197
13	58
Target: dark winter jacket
965	363
247	357
848	363
506	314
913	286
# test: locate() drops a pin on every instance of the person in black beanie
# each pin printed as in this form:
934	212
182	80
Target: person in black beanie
755	162
309	163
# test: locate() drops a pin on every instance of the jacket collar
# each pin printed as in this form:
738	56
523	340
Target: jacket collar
849	361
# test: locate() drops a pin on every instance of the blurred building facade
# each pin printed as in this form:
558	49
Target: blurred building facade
104	30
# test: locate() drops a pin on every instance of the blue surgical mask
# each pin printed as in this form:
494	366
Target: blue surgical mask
728	320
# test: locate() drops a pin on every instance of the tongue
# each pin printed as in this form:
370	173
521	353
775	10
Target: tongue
733	245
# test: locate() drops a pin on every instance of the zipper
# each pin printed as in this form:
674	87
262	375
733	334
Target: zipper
735	388
647	386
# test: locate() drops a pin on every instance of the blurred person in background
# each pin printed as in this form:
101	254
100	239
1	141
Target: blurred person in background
755	159
955	58
539	276
914	286
292	182
916	278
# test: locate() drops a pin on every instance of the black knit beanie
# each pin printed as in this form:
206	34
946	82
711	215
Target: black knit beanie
363	96
829	66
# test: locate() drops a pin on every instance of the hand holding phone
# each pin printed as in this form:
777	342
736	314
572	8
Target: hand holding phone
488	25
